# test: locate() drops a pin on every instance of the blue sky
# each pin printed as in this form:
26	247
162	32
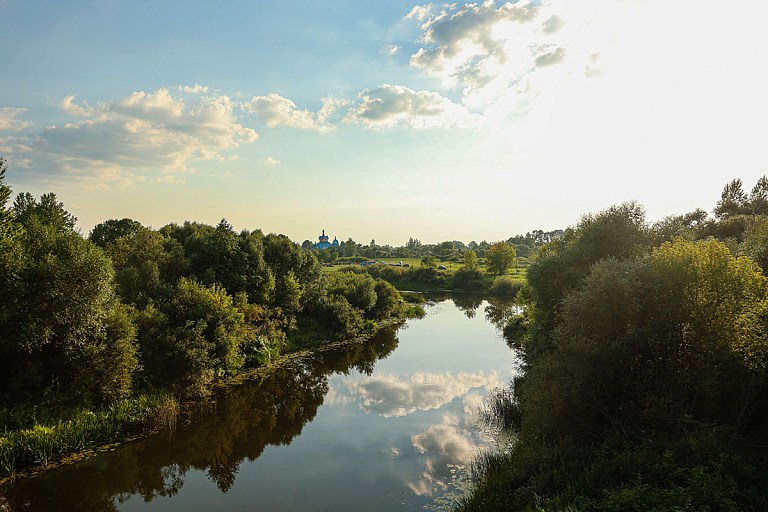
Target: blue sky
383	120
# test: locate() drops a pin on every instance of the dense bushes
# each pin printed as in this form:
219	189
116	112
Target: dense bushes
63	333
505	286
645	373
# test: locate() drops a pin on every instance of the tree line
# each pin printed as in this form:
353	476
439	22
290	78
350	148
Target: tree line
450	250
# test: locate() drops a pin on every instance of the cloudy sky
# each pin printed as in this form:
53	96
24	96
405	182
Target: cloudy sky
383	120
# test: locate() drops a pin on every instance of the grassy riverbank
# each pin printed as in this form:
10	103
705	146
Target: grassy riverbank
51	441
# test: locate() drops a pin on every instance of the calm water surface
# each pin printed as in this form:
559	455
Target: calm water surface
388	425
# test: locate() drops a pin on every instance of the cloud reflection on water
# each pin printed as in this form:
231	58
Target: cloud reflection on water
392	396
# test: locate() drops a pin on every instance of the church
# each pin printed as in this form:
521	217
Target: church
323	242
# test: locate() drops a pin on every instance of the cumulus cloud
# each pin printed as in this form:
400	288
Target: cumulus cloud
419	12
270	161
390	396
145	132
69	107
495	54
392	105
275	110
9	121
469	40
550	58
196	89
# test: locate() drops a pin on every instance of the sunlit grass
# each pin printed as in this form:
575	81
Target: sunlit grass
41	444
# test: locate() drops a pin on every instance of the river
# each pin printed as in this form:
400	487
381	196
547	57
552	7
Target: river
389	424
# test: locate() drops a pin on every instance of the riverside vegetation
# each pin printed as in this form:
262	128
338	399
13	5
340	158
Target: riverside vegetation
100	338
645	383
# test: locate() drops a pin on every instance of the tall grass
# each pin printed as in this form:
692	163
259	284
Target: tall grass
42	444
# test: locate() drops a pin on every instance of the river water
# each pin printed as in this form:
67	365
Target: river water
390	424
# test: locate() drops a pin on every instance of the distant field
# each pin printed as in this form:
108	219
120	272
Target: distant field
416	262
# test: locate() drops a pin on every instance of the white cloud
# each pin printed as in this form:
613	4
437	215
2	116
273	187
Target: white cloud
8	119
11	145
195	89
495	54
419	12
270	161
392	105
465	41
68	106
552	25
275	110
156	132
550	58
390	49
168	178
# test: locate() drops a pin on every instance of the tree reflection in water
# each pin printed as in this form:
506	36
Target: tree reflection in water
216	437
467	304
500	311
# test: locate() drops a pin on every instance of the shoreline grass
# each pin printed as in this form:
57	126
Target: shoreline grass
23	452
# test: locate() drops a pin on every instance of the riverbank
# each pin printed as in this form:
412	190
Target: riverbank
27	452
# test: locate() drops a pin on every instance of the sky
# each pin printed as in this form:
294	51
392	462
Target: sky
382	120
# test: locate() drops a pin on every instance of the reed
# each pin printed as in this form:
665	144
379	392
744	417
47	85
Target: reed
42	444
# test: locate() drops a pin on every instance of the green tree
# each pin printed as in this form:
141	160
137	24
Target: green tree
6	215
618	232
190	338
500	258
148	264
10	257
63	333
110	230
470	260
358	289
755	244
48	212
732	201
758	198
429	261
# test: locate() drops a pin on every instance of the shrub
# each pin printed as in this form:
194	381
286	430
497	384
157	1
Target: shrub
467	279
505	286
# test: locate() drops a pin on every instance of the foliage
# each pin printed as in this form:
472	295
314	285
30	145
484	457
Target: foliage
429	262
500	258
110	230
63	334
618	232
645	371
734	201
467	279
48	213
470	260
755	244
41	443
191	339
505	286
